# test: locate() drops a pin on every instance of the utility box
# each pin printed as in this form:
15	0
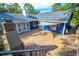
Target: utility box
11	37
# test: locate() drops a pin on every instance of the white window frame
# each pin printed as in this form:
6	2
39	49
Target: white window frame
20	28
28	26
23	27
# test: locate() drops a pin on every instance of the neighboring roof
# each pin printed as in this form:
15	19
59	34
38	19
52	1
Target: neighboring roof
57	16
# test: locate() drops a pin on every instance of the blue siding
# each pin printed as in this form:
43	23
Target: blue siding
33	24
59	28
45	27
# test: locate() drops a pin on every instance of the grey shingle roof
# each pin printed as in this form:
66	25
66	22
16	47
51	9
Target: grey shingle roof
58	16
12	16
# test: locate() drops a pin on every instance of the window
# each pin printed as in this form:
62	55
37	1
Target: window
27	25
35	24
53	27
24	26
19	28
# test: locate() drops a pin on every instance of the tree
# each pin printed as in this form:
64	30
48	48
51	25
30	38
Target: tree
31	9
75	19
15	8
75	6
56	6
2	7
12	8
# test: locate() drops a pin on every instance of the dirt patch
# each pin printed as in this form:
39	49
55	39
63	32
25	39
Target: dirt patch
57	45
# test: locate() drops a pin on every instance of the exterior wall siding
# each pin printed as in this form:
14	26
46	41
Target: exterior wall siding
33	24
59	28
44	27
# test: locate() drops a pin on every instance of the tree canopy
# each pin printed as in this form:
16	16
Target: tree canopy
15	8
31	8
75	6
56	6
2	7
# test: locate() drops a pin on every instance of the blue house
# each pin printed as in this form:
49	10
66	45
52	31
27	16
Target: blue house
55	21
51	21
22	25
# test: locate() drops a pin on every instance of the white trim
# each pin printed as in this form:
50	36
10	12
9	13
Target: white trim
17	27
29	26
64	28
43	26
22	27
48	23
